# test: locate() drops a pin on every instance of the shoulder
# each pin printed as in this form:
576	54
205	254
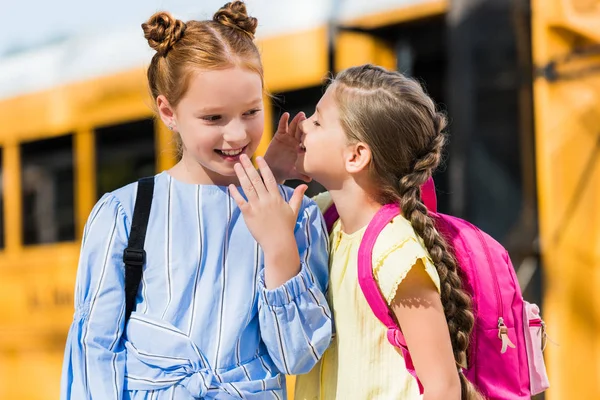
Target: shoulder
110	207
395	234
397	249
125	196
398	241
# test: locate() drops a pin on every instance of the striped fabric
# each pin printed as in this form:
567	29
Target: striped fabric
204	326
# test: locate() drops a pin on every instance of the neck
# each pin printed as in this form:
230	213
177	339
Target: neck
354	205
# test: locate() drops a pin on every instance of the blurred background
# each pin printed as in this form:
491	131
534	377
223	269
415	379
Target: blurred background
520	80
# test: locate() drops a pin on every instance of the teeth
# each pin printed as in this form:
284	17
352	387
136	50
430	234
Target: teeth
302	147
232	152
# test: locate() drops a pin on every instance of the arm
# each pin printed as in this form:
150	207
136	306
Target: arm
94	360
295	319
270	219
419	312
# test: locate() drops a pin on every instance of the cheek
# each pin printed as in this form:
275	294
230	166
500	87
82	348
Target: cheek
201	138
256	127
319	141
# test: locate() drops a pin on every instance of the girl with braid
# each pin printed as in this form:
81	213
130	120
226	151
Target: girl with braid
232	292
374	139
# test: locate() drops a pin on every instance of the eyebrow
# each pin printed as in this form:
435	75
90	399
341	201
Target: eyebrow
218	109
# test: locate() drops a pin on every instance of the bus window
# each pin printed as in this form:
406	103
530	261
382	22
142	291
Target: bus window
1	204
293	102
124	153
47	190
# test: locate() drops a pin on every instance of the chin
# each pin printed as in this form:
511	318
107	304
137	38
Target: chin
219	169
229	172
300	166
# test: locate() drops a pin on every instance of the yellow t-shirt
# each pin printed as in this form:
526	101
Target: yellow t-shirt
360	363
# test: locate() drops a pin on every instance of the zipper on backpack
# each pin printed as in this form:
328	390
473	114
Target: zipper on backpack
502	329
539	323
503	336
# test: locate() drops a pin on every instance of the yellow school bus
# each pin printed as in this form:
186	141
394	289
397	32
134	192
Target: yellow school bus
77	122
566	53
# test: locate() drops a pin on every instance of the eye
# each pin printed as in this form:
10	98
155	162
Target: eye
316	123
252	112
212	118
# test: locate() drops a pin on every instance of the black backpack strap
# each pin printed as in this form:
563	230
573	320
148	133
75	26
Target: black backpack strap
134	255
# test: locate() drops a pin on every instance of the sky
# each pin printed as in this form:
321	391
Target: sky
31	23
47	43
28	24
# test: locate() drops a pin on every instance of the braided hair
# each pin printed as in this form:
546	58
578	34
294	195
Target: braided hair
399	122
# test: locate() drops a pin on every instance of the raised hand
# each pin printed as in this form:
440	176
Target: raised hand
269	218
283	150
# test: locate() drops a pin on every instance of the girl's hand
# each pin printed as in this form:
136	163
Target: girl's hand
282	152
270	219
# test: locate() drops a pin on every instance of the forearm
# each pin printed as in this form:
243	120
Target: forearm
282	262
295	323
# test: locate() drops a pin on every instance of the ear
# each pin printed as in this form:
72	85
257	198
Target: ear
166	112
358	157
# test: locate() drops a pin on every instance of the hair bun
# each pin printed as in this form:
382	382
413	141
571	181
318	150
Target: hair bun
234	15
162	31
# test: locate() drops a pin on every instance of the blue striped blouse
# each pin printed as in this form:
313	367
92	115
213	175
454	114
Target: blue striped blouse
204	326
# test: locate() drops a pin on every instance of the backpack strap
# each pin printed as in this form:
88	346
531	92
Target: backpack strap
428	195
330	215
370	288
367	282
134	256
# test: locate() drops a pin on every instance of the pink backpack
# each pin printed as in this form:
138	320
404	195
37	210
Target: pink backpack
505	354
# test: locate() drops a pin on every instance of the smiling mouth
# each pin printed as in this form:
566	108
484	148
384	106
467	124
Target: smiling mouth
301	147
230	153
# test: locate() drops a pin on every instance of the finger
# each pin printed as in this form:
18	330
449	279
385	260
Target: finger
282	128
296	200
254	176
239	199
245	182
295	126
267	175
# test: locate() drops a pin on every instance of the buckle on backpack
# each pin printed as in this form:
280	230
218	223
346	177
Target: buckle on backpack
134	257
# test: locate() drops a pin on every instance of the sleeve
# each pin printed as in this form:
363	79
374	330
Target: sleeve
391	267
94	360
295	319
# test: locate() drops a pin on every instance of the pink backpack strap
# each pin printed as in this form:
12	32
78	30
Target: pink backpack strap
330	215
366	280
428	195
370	288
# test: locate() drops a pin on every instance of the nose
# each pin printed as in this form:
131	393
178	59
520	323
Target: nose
301	125
235	132
303	129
